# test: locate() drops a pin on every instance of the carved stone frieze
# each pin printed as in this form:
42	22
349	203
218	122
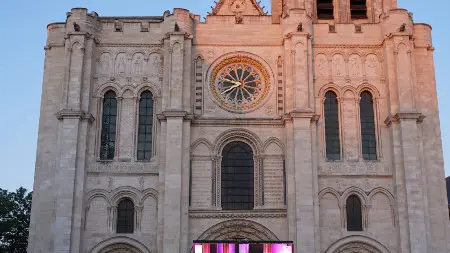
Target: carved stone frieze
354	168
342	184
118	167
202	214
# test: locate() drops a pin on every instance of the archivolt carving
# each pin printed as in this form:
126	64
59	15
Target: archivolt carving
102	89
368	87
155	89
125	192
357	244
229	230
239	134
120	244
331	86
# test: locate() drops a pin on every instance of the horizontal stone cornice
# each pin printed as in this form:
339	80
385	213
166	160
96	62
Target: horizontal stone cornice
403	116
225	214
239	122
174	114
74	114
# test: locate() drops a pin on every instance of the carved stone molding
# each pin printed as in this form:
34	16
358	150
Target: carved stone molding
354	168
229	230
75	114
123	168
395	119
214	214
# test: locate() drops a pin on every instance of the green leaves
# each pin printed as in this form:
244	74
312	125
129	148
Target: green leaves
15	210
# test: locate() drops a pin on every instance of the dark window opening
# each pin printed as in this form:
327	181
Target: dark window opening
237	177
358	9
354	214
125	217
332	139
256	248
145	131
368	137
213	248
108	135
325	9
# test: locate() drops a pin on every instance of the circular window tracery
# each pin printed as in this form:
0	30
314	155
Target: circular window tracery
239	84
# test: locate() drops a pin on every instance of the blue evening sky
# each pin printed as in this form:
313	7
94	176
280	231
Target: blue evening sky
23	34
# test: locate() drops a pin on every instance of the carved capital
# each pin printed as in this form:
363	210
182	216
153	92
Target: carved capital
74	114
402	116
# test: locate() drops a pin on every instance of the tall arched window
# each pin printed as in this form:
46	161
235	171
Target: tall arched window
145	131
325	9
354	214
333	143
358	9
108	135
237	177
368	138
125	217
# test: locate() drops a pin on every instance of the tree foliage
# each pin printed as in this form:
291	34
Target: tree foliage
15	210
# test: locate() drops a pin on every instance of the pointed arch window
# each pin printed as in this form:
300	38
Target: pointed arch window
332	139
237	177
325	9
108	134
145	129
354	214
368	138
125	217
358	9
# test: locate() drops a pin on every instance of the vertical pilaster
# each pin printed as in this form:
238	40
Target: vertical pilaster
304	182
405	137
173	182
290	180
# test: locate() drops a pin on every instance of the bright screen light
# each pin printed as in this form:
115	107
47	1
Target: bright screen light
243	247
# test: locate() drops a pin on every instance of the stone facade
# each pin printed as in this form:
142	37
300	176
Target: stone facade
299	195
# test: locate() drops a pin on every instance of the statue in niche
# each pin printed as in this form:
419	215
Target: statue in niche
121	67
155	64
355	67
137	69
371	66
104	64
337	66
322	67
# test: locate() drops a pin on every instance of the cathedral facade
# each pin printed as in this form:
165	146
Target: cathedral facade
316	124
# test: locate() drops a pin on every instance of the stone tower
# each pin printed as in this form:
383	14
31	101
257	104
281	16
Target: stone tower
317	124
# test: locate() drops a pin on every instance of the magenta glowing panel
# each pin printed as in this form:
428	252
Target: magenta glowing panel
242	247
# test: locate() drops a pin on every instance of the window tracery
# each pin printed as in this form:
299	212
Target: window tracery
125	217
354	214
145	128
332	139
108	133
367	119
237	180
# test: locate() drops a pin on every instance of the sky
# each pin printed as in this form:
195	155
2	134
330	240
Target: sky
23	35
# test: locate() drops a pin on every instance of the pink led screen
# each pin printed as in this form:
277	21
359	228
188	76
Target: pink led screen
242	247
